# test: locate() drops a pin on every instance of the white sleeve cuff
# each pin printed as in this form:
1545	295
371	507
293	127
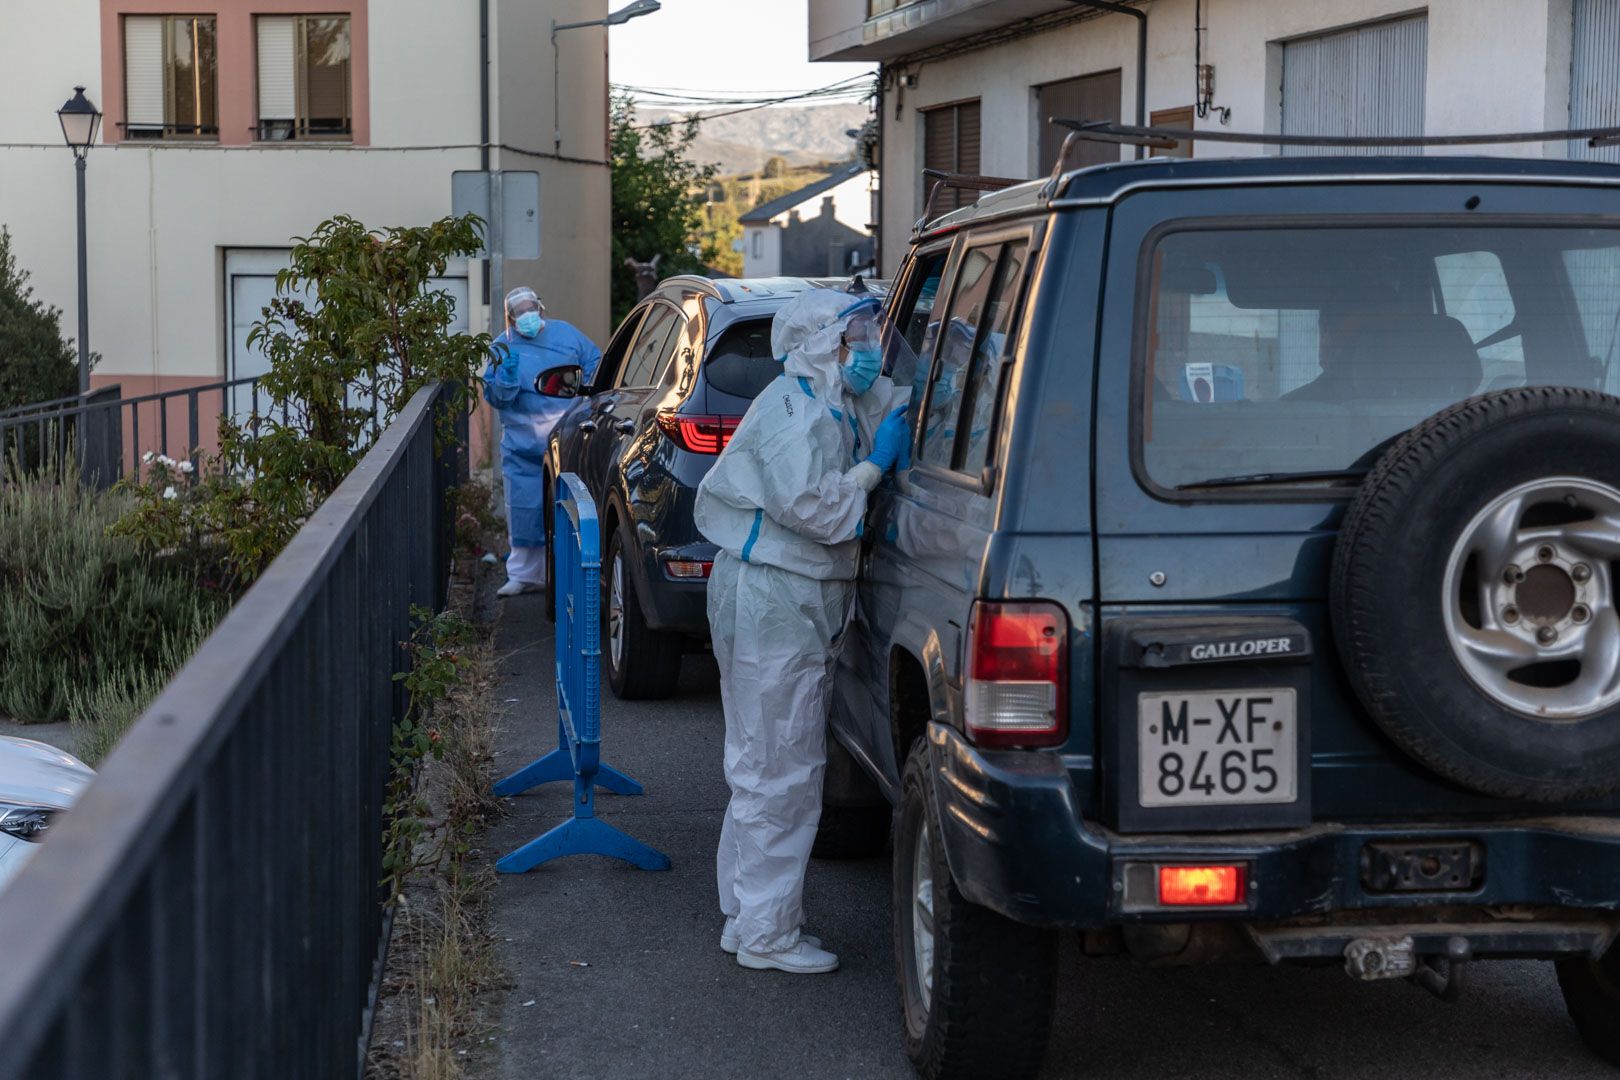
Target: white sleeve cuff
867	475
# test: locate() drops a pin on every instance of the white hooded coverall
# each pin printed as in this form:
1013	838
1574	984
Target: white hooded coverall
785	503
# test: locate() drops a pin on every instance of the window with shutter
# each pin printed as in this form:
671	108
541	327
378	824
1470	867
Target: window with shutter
951	144
1090	97
278	89
304	77
170	77
143	76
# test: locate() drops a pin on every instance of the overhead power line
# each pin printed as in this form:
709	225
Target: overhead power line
855	88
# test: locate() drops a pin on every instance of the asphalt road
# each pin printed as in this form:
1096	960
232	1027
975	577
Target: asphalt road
659	999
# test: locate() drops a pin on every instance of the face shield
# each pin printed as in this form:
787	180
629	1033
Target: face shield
524	312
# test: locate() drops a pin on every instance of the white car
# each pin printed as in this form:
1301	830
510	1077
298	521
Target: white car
37	782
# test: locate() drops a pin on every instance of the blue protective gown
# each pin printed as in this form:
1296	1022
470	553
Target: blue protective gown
527	418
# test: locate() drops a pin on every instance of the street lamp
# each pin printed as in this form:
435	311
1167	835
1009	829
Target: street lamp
80	120
634	9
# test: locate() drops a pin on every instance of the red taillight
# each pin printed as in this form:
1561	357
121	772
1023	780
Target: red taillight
699	434
687	569
1200	886
1017	674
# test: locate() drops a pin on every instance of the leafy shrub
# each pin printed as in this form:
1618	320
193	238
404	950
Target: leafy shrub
85	614
374	330
35	363
101	712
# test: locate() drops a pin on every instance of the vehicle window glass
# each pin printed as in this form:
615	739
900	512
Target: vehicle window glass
663	370
1594	279
740	362
961	327
992	345
1474	291
613	355
650	348
1287	351
913	314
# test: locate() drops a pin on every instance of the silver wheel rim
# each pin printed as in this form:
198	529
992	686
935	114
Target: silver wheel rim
1532	621
922	917
616	612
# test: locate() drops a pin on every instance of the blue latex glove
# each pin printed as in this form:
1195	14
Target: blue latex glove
889	445
509	366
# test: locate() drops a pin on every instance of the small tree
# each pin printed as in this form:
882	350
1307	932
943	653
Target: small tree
35	363
372	330
658	199
776	167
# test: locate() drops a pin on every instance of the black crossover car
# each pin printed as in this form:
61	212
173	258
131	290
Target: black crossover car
673	384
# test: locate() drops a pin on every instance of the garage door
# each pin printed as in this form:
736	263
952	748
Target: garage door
250	285
1594	76
1367	80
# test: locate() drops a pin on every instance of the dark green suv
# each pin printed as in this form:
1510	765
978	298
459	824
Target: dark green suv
1251	594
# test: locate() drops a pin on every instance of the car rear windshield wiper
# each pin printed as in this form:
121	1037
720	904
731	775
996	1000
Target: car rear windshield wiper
1320	476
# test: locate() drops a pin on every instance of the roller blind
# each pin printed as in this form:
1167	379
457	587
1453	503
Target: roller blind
143	71
951	144
277	81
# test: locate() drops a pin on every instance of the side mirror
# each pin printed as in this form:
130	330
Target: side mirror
560	382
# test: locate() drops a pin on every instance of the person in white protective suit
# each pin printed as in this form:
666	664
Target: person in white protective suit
785	504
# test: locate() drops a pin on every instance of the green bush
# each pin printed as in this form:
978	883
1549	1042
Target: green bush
35	363
85	616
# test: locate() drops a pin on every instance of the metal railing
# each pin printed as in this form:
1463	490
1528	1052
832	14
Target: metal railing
212	905
118	431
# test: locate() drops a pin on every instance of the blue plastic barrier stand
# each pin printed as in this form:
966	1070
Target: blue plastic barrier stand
559	765
577	568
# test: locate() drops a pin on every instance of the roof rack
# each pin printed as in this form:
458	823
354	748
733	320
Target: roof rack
1132	135
963	181
1165	138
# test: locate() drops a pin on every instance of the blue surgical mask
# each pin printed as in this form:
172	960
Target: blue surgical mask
530	323
862	370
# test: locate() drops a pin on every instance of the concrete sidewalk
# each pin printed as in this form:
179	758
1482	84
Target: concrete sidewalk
659	998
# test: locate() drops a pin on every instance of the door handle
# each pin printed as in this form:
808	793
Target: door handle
586	427
625	427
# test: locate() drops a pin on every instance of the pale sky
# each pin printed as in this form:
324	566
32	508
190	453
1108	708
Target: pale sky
721	45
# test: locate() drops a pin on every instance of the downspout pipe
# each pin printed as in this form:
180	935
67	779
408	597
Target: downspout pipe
1141	54
483	110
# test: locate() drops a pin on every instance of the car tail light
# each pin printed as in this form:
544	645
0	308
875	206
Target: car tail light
699	434
1017	674
688	569
1200	886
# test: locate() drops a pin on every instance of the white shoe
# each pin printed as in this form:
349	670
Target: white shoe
513	587
728	937
802	959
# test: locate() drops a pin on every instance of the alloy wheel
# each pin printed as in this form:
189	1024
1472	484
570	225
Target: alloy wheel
1529	599
616	612
922	916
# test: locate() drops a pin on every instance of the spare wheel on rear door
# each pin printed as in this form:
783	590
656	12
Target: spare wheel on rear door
1473	593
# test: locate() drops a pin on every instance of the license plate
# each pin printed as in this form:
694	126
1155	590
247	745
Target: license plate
1218	747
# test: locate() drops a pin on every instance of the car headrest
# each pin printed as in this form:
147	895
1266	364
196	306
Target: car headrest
1426	357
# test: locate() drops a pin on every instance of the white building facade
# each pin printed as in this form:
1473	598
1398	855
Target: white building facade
233	126
822	229
968	85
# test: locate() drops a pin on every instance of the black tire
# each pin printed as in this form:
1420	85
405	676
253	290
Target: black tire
852	832
648	665
994	980
1592	996
1388	595
855	817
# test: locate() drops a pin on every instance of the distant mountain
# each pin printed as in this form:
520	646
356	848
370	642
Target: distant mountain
803	134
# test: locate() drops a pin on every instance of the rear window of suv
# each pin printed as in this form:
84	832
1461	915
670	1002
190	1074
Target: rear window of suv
1281	354
740	362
